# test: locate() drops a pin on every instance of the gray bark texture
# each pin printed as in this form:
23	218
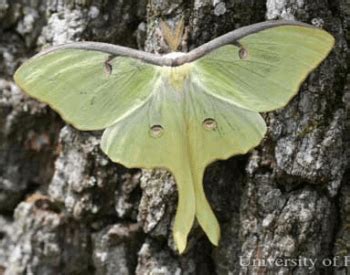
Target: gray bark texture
66	209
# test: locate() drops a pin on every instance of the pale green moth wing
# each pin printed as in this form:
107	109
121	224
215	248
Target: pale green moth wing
90	89
183	111
183	128
264	70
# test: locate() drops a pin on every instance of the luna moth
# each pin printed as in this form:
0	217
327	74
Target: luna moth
179	111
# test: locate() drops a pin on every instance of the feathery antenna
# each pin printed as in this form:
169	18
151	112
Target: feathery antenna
172	36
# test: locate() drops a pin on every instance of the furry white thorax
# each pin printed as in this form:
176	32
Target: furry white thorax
174	54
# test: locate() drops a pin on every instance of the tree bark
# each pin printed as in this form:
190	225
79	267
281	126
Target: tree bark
65	208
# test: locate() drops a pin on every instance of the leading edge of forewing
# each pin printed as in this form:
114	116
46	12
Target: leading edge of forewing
162	60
